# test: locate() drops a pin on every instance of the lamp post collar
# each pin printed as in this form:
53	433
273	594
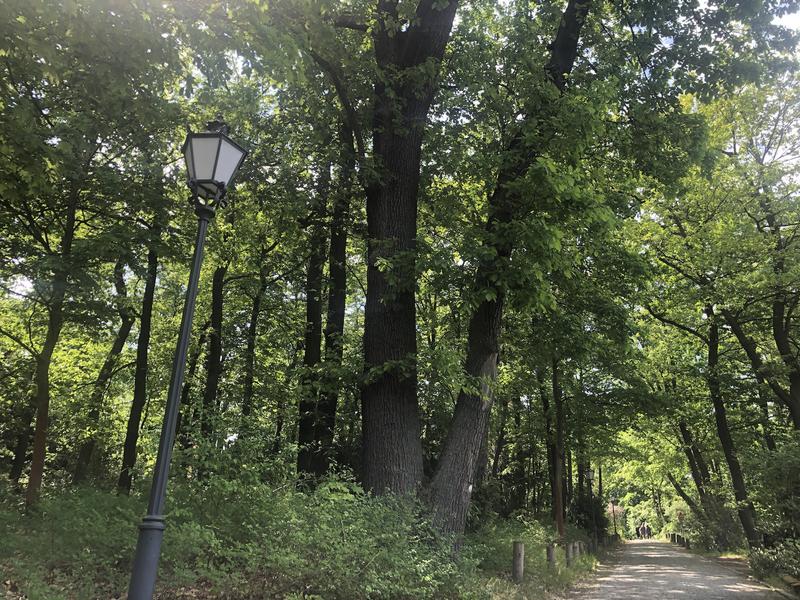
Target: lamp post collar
218	125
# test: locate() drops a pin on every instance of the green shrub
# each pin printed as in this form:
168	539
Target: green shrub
781	559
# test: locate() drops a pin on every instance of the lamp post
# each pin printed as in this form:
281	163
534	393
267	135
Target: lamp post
212	160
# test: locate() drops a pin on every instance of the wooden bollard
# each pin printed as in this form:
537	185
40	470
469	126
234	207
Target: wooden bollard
568	553
551	555
518	566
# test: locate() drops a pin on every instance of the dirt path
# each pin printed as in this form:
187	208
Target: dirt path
651	570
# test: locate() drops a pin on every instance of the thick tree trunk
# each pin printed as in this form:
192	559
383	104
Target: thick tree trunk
214	356
127	320
452	483
744	505
392	450
140	377
312	353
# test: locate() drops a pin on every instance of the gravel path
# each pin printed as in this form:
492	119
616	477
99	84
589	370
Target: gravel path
651	570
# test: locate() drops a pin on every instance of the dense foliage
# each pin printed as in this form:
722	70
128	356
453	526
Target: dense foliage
491	271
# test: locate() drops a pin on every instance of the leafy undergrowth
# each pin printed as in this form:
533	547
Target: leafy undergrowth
231	541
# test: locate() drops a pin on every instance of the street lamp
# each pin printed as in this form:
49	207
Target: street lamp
212	160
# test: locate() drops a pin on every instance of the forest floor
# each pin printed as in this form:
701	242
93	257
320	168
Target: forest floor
648	569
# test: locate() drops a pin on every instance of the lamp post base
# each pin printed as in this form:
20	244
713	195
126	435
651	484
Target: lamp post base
148	551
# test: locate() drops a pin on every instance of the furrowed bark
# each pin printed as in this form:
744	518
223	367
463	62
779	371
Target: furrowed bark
392	450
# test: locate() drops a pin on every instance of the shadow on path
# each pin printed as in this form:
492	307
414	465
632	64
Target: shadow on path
652	570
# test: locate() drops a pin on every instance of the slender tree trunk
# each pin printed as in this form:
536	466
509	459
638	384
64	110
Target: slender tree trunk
307	416
550	440
337	299
558	470
780	333
55	321
790	398
214	356
140	377
698	512
186	417
600	480
391	445
23	439
744	505
500	442
127	320
250	351
693	456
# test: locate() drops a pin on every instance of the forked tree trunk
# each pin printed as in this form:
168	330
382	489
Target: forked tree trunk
140	377
392	450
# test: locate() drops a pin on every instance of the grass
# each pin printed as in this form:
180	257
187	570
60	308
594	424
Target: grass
232	541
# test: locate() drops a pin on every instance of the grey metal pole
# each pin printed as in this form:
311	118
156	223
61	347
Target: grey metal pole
151	530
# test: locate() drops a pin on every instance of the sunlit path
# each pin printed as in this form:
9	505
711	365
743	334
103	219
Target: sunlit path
650	569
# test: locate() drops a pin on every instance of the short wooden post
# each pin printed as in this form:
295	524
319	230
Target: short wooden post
518	567
568	553
551	555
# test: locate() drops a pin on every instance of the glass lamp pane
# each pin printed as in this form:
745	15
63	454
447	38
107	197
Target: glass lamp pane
204	151
230	156
187	155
